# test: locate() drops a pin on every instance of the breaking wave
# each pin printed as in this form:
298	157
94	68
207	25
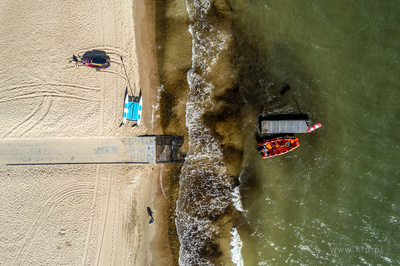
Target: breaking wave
236	250
206	189
236	199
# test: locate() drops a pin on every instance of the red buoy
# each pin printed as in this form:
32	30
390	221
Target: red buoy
314	127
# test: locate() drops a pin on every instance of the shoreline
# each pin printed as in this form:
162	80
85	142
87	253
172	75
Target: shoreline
211	101
158	244
146	53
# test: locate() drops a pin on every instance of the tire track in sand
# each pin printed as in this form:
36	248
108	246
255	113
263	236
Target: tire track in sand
118	67
35	123
29	116
44	212
101	10
59	200
97	262
32	85
92	210
115	213
116	73
108	39
48	94
108	49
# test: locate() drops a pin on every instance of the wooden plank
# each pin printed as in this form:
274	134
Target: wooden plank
283	126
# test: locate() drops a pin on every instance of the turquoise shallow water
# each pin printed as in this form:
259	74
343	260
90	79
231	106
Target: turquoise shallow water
333	201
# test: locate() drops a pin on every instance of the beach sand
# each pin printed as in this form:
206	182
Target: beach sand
78	214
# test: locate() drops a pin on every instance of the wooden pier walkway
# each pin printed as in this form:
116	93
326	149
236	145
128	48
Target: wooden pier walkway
284	126
141	150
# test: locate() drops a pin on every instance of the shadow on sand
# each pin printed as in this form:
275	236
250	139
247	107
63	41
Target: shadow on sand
95	54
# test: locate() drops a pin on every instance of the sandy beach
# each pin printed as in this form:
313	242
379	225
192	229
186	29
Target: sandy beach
78	214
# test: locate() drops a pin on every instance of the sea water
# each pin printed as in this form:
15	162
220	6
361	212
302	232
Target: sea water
332	201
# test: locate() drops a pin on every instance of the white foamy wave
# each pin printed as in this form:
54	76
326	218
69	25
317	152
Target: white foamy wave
236	250
205	187
155	107
207	45
197	232
205	190
207	41
196	9
236	199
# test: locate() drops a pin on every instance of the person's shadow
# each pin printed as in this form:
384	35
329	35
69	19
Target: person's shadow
149	212
151	215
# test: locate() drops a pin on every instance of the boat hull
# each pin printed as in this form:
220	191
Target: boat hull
97	63
132	109
278	146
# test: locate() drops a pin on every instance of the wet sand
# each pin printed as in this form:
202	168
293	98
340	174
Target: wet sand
87	214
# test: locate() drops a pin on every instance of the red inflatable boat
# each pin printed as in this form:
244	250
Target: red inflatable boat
278	146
